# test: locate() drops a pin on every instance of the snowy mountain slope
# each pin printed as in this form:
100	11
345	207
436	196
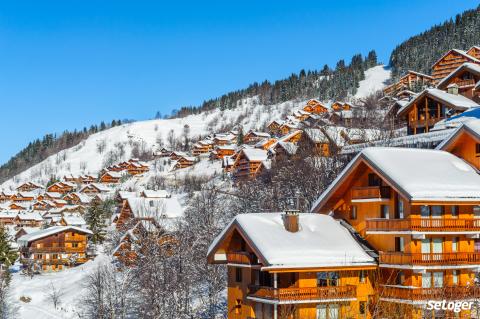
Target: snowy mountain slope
86	157
375	79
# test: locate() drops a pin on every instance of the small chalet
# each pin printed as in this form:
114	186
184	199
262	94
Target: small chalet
23	197
6	195
111	177
266	143
185	161
315	107
29	219
306	265
463	81
274	126
54	248
62	187
136	167
29	187
249	163
412	81
317	140
254	137
431	106
77	198
8	217
224	150
73	219
95	188
202	147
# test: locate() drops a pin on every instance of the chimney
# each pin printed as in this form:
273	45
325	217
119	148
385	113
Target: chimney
452	89
291	220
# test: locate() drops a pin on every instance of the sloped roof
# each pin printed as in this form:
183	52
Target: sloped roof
418	174
25	239
255	154
471	67
321	241
458	102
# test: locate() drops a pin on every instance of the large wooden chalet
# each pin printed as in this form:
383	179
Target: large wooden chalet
249	163
452	60
315	107
463	81
54	248
419	209
431	106
290	265
411	81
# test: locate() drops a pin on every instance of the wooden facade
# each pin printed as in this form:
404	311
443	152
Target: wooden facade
412	81
61	187
56	250
449	62
463	81
426	249
184	162
315	107
246	167
110	178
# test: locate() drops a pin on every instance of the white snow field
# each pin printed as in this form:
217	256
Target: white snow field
375	79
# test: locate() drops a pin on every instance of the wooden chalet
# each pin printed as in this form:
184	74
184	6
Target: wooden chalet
28	219
77	199
253	137
163	152
29	187
420	210
202	147
6	195
315	107
300	115
431	106
266	143
61	187
7	217
18	206
54	248
288	127
224	139
224	150
73	219
463	81
290	265
316	140
95	188
449	62
50	196
337	106
176	155
23	197
185	161
411	81
43	205
249	163
137	168
474	51
274	127
284	150
111	177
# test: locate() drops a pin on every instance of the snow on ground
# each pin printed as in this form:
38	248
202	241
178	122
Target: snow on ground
375	79
70	282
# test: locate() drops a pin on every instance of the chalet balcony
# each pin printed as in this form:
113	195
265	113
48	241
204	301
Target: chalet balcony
57	261
414	294
465	83
242	258
423	225
371	192
429	259
425	122
56	249
293	295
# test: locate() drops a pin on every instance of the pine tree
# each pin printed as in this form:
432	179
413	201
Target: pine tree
7	255
96	220
240	137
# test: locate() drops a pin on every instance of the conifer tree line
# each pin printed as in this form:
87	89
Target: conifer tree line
50	144
420	52
324	84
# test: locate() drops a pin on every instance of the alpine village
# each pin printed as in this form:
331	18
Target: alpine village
314	205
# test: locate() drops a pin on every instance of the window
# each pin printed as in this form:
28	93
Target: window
477	149
327	279
353	212
400	279
438	279
437	211
238	274
385	211
454	244
362	307
425	211
362	277
373	180
399	208
455	277
399	244
454	211
477	245
476	211
74	245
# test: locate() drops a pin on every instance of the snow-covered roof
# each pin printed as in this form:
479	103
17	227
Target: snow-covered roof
30	216
156	194
321	241
25	239
471	67
74	220
8	214
289	147
99	186
418	174
456	101
316	135
114	174
255	154
126	194
457	120
472	126
155	207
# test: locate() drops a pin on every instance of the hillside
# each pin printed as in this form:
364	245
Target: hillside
421	51
116	144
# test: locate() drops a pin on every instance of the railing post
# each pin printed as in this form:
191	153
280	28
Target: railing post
275	287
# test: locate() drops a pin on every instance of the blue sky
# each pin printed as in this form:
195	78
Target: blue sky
69	64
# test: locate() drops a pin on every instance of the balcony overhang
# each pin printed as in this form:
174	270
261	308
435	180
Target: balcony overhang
296	302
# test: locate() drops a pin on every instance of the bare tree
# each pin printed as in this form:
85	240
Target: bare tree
54	295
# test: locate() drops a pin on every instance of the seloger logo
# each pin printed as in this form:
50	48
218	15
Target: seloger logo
456	306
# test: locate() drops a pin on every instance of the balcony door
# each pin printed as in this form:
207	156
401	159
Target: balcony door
328	311
432	279
432	248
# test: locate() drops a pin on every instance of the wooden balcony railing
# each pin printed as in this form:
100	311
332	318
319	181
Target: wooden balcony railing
457	258
56	249
242	258
465	83
371	192
58	261
425	122
419	294
424	224
299	294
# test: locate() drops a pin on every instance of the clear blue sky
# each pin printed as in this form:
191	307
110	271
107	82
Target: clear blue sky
69	64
